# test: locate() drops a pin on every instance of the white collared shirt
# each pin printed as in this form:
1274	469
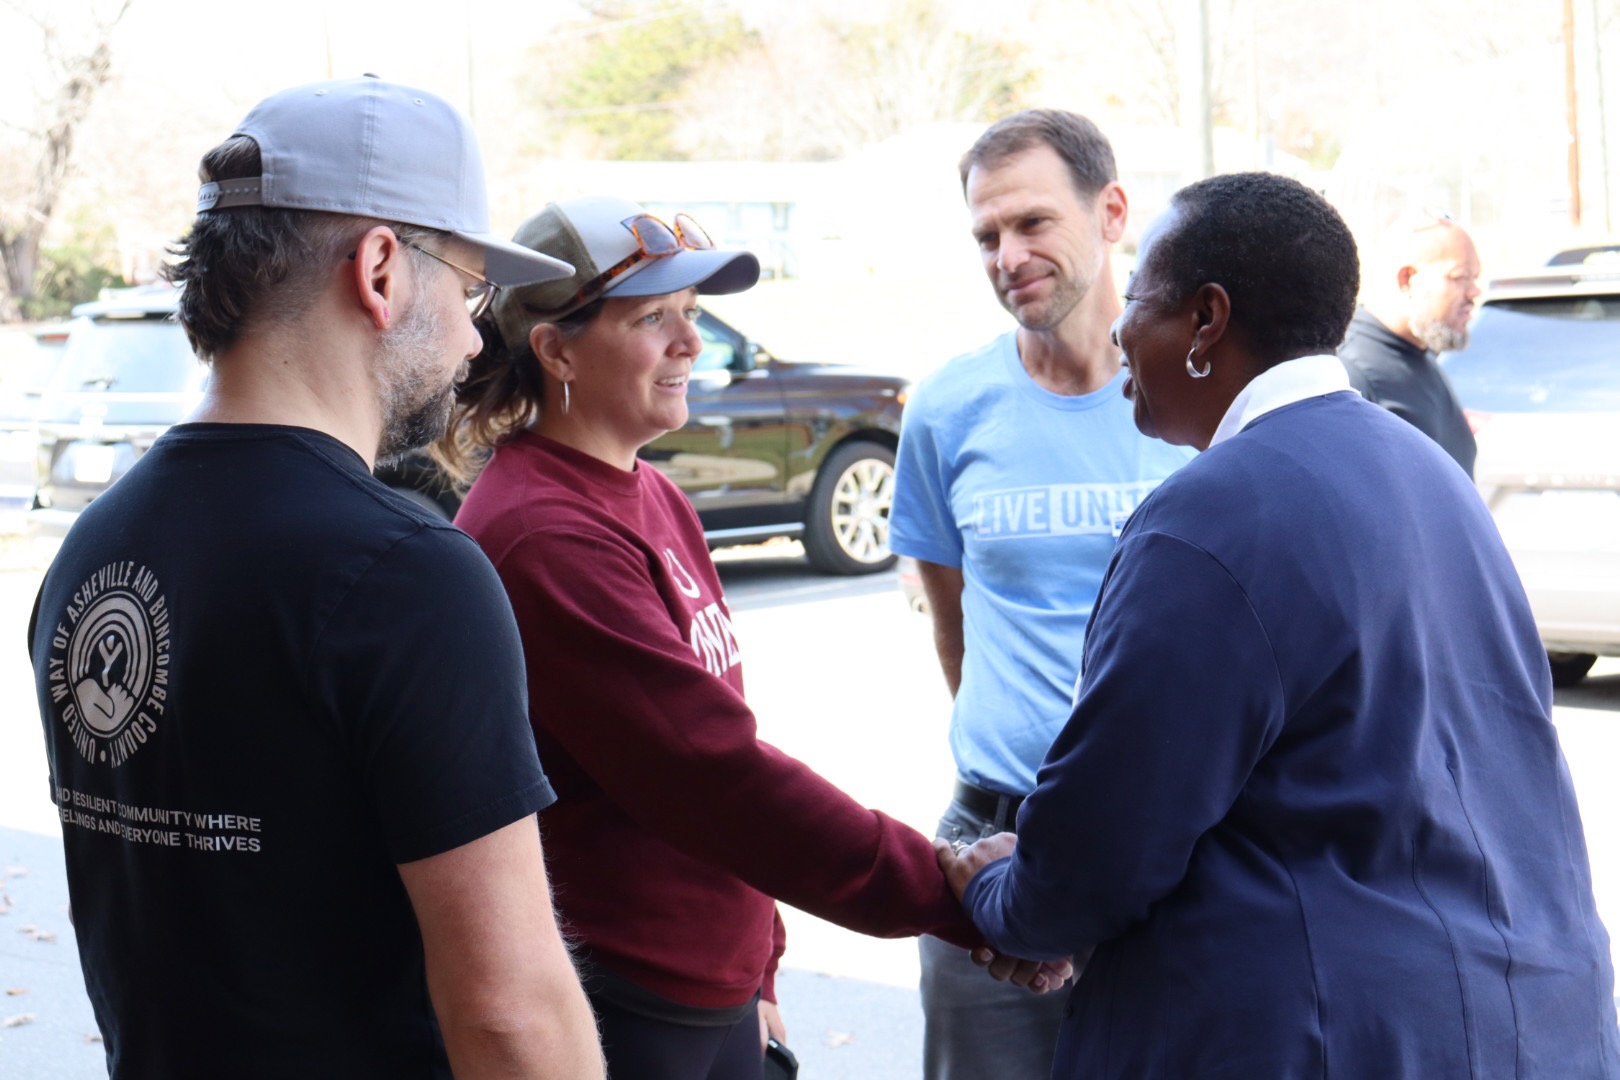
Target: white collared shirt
1288	382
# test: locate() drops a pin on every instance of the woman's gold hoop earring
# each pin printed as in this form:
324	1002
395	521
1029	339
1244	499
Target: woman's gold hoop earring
1194	372
566	402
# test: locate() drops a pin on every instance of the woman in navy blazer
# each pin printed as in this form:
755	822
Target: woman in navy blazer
1310	808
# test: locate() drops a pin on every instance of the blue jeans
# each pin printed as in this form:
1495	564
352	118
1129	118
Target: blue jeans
975	1028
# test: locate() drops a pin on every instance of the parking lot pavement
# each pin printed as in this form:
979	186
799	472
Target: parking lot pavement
47	1029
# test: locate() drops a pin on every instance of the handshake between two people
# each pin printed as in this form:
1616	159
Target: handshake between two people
960	862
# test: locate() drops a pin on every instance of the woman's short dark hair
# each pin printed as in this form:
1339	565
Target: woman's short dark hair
253	266
1081	145
1281	252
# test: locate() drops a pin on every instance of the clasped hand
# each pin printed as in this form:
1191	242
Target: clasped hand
959	865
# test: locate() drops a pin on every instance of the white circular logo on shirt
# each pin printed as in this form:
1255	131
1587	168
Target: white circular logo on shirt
108	669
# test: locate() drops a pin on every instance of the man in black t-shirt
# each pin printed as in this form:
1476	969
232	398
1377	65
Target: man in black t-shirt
1420	290
284	708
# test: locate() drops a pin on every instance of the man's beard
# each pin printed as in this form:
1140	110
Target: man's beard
1067	292
415	404
1066	296
1436	336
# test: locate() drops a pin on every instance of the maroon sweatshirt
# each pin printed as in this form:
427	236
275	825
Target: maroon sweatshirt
674	825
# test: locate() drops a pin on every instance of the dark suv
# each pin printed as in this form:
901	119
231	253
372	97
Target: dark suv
771	448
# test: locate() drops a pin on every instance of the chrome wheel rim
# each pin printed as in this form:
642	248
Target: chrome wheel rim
861	501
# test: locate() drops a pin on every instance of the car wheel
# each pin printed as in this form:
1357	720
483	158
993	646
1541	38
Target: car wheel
847	531
1569	668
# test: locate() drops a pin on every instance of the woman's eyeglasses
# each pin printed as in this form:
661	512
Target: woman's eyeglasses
654	240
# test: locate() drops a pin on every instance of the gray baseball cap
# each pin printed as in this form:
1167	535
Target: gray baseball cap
593	233
380	150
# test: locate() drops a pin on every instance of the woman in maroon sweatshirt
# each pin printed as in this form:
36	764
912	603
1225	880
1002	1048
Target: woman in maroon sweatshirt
675	827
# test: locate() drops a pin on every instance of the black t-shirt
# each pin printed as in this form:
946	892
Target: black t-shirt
265	680
1388	370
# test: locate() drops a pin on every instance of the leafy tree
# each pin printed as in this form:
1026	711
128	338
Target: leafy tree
680	81
644	72
35	167
908	67
70	274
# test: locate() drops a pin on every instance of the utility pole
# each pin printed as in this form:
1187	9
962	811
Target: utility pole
1194	49
472	76
1603	114
326	38
1570	115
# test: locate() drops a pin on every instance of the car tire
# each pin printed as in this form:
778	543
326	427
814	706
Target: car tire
847	530
1569	668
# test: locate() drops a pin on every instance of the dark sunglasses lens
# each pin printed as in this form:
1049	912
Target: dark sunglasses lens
656	237
692	233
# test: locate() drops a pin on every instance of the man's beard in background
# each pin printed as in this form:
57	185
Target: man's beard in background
1436	336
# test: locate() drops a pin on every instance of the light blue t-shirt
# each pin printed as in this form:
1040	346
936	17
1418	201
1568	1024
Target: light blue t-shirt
1025	490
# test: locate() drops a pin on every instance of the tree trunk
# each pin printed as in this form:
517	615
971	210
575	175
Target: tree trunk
81	76
8	284
19	251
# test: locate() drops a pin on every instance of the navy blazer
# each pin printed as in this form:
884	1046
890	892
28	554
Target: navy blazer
1310	802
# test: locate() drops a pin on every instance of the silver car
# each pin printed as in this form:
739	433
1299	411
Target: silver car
127	374
1540	380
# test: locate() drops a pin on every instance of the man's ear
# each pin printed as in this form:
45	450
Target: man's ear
547	342
1403	277
376	275
1112	210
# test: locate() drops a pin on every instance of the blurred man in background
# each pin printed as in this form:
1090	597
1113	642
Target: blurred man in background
1419	291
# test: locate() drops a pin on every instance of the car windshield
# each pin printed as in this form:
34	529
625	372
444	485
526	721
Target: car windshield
128	356
717	352
1547	354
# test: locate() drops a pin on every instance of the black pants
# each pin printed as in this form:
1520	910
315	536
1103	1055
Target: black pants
640	1048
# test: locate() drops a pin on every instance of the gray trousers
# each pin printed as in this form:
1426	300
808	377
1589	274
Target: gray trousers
975	1028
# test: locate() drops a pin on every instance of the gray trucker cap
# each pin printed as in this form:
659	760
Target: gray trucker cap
593	233
380	150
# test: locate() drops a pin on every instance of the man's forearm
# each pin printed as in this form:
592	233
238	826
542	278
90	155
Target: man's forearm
554	1040
943	587
500	977
948	646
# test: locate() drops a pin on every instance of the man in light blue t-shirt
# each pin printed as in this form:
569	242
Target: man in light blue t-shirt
1019	463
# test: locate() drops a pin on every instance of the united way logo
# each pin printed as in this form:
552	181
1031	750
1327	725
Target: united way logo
108	669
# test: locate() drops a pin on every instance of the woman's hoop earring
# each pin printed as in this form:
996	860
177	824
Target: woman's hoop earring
566	401
1194	372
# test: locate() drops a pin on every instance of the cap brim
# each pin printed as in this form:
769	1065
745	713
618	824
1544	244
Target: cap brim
508	264
713	272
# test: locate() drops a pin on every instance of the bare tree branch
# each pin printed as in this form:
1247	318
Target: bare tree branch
76	76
